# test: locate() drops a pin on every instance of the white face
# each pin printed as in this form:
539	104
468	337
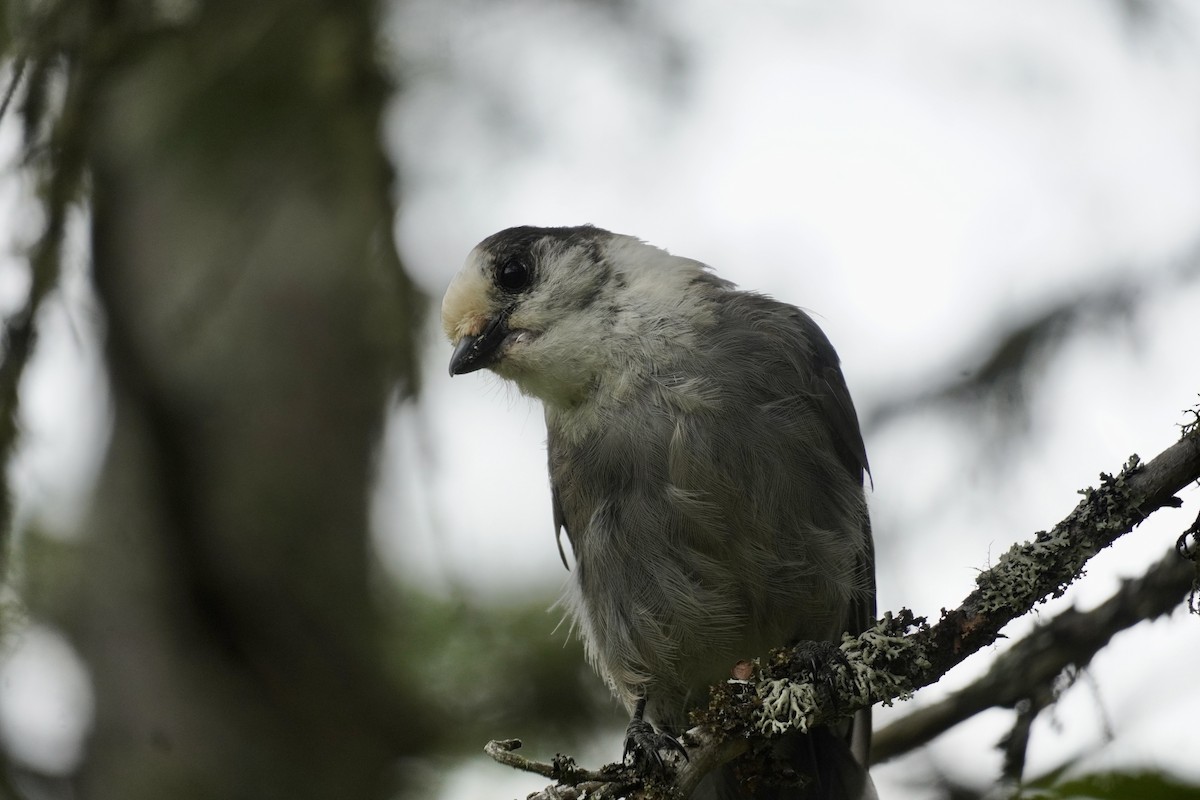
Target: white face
557	310
519	307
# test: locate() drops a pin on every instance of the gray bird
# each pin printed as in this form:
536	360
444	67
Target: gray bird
705	462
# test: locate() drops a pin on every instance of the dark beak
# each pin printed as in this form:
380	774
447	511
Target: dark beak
477	352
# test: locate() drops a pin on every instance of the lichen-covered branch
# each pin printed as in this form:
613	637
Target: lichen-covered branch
1071	639
903	653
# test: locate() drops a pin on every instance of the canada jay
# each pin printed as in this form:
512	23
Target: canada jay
706	465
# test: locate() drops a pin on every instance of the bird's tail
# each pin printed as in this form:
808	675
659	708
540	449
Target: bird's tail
818	765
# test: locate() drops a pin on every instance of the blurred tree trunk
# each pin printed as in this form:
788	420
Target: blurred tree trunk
257	321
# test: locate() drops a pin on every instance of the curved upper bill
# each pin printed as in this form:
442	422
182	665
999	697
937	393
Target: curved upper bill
479	351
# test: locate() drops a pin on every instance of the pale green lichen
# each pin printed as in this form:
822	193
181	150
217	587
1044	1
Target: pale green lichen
786	706
1044	567
871	656
879	666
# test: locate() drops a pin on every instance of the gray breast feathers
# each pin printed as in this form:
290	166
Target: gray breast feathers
718	511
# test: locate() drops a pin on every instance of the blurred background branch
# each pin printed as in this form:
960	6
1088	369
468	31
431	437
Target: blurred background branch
1002	376
1036	662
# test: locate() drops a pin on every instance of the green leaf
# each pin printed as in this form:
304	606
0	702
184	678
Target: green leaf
1145	785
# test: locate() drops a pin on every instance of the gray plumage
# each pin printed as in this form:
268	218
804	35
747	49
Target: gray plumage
705	461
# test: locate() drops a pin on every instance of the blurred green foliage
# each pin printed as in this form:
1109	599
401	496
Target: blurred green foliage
501	671
1145	785
491	671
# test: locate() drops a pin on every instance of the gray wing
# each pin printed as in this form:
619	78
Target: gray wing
833	398
846	435
844	431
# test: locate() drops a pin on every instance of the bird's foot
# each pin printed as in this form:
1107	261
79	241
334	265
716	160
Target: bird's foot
823	662
644	746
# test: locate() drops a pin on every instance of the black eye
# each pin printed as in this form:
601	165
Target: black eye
513	275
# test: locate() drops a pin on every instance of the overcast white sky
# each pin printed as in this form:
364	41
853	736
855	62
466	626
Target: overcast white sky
918	175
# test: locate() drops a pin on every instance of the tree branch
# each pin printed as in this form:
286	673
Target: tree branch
902	652
1071	639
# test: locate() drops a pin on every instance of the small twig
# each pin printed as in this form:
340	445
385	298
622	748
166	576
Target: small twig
563	769
1015	743
14	82
587	790
1189	551
503	751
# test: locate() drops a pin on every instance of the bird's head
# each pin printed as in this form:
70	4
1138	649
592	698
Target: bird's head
557	310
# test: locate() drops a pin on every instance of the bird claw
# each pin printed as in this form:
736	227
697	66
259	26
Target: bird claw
823	662
644	747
